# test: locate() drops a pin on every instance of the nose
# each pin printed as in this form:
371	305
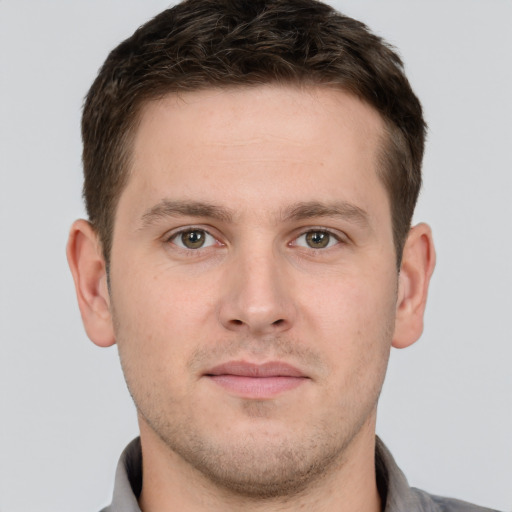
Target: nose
257	295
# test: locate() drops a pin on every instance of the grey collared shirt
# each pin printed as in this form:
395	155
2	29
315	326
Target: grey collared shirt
393	487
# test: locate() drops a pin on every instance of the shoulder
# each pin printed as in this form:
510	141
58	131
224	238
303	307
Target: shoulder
434	503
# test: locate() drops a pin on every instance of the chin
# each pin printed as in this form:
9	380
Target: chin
261	458
259	468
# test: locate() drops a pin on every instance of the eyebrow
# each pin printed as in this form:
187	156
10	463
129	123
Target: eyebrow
339	209
296	212
168	208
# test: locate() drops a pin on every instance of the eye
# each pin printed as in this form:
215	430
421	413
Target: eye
317	239
193	239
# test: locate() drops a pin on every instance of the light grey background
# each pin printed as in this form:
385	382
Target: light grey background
446	408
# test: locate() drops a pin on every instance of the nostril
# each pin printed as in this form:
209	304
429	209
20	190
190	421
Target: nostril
237	322
278	322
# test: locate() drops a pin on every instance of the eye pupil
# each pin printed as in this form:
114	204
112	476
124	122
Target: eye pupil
193	239
318	239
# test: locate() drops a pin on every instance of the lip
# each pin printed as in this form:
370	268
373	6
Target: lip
258	381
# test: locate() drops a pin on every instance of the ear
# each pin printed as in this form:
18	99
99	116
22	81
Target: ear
418	262
85	259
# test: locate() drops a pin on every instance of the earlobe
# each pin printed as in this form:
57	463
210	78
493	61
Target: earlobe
88	267
417	266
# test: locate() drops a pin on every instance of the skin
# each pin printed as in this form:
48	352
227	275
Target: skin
256	292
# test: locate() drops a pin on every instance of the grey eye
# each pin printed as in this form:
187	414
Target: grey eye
316	239
193	239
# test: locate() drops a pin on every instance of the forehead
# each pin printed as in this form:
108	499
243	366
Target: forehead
236	115
267	142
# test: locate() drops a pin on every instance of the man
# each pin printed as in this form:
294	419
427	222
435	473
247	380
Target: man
251	171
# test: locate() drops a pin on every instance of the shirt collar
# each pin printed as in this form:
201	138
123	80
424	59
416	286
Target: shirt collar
393	487
128	482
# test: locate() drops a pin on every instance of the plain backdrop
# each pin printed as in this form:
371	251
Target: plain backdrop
446	408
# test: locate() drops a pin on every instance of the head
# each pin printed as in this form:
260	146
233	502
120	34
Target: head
251	169
203	44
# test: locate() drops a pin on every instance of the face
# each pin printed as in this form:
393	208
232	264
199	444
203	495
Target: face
254	282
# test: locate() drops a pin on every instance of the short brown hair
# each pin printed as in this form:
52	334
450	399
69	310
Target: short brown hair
199	44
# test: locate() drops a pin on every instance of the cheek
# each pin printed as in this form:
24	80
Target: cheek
354	321
161	319
154	323
357	347
355	303
159	300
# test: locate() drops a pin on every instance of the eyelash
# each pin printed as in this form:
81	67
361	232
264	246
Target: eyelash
190	229
332	237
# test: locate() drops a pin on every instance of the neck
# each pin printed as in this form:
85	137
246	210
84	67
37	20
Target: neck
170	484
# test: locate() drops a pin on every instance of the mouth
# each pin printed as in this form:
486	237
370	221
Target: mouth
257	381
